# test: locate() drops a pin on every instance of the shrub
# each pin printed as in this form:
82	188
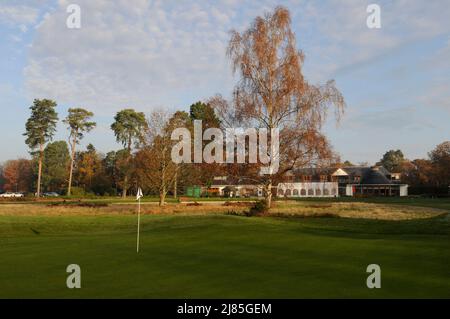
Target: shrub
258	208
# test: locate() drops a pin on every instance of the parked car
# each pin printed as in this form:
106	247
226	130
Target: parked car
50	194
6	195
11	195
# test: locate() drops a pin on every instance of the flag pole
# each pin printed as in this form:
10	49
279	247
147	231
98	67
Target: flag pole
138	197
139	222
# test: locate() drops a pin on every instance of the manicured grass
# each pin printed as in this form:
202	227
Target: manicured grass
223	256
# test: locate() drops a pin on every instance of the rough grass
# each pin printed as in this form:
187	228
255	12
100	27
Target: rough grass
280	209
442	203
113	209
354	210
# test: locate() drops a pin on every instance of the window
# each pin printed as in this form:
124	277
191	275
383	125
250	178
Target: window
318	192
303	192
280	192
310	192
357	179
307	178
295	192
323	178
326	192
288	192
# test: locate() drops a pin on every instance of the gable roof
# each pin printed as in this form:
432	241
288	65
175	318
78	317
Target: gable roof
340	172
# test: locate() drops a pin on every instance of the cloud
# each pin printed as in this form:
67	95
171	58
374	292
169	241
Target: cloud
140	55
21	15
161	53
342	41
437	96
152	54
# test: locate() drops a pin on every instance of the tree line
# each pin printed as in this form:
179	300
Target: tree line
429	176
58	166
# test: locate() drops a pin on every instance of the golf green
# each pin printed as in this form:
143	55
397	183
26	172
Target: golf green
221	256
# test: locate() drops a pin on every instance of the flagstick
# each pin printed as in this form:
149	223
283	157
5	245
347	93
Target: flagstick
139	222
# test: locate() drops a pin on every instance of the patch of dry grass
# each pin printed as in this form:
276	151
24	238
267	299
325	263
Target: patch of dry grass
280	209
355	210
113	209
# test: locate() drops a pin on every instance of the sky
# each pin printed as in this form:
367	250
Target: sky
168	54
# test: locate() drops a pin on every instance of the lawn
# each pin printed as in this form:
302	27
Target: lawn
223	256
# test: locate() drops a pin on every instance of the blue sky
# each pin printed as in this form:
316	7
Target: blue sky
168	54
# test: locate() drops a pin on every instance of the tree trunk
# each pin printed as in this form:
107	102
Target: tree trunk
125	180
41	155
268	195
175	185
69	188
124	189
162	197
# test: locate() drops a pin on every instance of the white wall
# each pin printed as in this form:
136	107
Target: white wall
349	190
403	190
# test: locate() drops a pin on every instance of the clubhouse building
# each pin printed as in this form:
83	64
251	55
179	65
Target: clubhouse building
318	182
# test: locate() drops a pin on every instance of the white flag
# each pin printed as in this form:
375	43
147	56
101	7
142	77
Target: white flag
139	194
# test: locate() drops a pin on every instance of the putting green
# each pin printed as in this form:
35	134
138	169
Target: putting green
223	257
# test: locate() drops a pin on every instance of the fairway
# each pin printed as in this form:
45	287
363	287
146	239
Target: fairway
223	256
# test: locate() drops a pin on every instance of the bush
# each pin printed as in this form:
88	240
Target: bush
259	208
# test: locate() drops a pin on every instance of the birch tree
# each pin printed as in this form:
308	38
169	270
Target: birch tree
272	93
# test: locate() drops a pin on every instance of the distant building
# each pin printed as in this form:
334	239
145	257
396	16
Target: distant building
345	181
225	186
317	182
